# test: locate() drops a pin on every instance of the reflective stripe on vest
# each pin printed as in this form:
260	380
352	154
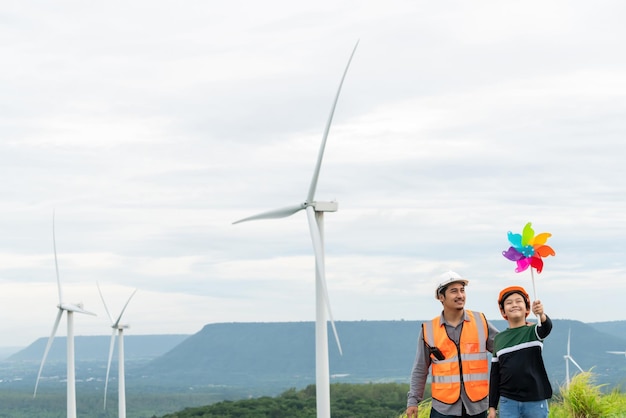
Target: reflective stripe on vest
446	374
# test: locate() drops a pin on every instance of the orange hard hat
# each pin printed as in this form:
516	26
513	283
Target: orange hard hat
505	293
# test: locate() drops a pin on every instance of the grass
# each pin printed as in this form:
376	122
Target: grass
583	399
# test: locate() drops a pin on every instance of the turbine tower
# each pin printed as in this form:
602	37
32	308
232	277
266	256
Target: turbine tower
70	308
569	358
315	215
119	329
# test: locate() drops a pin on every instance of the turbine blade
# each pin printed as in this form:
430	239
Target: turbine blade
320	155
104	303
106	381
273	214
123	309
616	352
575	364
56	263
318	248
569	333
45	353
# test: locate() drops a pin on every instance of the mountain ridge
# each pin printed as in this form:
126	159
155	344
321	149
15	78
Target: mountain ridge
372	351
275	356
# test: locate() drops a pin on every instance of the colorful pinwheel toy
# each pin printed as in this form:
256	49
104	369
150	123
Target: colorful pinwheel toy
527	250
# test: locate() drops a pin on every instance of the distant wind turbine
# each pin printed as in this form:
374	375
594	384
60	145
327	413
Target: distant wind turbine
70	308
569	358
119	329
617	352
315	215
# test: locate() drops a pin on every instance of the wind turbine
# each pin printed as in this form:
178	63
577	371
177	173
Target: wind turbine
569	358
119	328
70	308
315	215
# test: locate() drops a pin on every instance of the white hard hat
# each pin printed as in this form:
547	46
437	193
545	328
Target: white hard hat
446	278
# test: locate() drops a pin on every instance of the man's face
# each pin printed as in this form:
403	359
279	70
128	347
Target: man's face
454	296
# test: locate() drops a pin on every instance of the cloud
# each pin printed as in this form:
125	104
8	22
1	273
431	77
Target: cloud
149	129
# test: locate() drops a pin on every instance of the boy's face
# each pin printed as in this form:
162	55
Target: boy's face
515	307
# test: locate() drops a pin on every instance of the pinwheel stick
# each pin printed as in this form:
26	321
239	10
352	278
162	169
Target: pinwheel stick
532	276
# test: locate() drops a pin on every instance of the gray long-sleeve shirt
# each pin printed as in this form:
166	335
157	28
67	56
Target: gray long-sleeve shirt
420	372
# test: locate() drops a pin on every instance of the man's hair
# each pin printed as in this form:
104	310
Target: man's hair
442	290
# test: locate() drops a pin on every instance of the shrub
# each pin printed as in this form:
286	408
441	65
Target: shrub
583	399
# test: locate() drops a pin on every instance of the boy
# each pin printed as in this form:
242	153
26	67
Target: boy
518	379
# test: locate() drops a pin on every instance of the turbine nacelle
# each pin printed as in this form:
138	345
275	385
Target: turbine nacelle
74	307
324	206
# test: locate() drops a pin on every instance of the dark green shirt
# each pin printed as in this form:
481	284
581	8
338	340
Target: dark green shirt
517	369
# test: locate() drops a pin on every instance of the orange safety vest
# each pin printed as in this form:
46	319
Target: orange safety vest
473	360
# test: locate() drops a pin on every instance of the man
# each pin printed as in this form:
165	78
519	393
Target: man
519	382
454	346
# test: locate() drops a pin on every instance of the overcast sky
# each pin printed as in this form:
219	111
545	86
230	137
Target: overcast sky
148	127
